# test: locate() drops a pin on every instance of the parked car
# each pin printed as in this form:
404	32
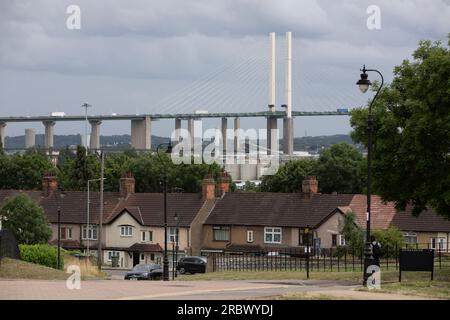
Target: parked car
145	272
192	265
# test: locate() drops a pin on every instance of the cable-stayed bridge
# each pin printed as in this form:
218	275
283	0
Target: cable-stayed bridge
244	88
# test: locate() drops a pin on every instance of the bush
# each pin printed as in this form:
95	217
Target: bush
42	254
391	240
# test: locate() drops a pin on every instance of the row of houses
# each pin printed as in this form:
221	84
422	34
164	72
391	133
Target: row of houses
217	220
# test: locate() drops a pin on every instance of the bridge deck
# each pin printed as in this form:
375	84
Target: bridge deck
277	114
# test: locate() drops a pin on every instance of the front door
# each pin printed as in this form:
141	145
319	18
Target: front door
135	258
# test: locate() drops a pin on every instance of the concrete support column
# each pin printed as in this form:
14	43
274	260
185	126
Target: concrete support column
95	134
191	133
288	135
224	135
177	129
141	135
272	136
237	140
2	134
48	136
30	138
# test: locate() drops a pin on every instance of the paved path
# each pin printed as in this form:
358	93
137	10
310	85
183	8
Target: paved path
181	290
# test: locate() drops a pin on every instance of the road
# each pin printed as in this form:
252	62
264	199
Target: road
179	290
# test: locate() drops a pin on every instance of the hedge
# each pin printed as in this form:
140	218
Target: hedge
43	254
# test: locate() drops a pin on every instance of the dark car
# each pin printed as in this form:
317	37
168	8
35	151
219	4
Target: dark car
192	265
145	272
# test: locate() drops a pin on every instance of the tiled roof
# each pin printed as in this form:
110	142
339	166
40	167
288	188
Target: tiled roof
427	221
145	247
381	213
150	206
67	244
144	207
276	209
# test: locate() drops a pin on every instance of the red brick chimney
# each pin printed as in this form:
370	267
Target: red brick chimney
49	183
208	188
126	184
310	185
223	185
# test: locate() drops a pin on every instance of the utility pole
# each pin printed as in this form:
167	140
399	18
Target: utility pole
100	229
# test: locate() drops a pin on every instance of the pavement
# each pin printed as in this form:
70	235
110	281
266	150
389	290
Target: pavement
182	290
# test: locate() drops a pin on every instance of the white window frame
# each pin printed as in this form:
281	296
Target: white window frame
341	240
144	236
250	236
437	243
126	231
410	235
89	232
171	234
112	254
273	231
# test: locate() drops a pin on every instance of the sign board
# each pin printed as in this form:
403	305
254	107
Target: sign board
416	260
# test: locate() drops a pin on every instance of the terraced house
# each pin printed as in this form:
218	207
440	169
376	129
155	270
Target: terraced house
217	220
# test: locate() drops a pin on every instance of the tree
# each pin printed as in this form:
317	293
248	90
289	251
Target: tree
353	233
23	171
75	172
341	169
289	177
411	163
25	219
391	239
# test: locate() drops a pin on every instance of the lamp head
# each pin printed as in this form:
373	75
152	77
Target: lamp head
364	83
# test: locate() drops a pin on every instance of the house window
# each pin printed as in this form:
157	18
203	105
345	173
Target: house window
126	231
221	233
142	257
438	243
334	240
143	236
113	254
150	236
66	233
250	236
410	237
302	237
89	232
341	238
272	235
171	234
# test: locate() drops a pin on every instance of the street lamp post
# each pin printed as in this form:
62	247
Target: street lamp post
364	84
59	195
165	258
307	230
177	228
88	216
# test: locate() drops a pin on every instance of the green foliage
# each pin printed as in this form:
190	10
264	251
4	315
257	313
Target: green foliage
411	162
25	219
251	187
341	168
353	233
23	171
75	172
42	254
391	239
289	177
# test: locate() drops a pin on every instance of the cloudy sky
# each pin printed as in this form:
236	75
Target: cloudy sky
151	56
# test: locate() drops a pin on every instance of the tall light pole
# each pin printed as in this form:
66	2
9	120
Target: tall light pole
364	84
177	228
165	258
59	195
88	213
86	106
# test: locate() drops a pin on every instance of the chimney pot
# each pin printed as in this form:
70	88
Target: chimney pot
126	185
49	183
223	184
208	188
310	185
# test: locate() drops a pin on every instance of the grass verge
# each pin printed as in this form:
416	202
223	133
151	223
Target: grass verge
18	269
